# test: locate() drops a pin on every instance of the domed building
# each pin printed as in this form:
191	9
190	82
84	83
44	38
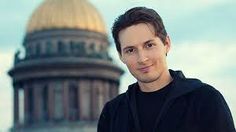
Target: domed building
65	75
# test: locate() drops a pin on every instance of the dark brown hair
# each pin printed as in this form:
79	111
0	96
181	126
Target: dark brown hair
138	15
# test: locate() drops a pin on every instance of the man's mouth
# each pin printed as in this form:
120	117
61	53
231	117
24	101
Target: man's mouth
144	69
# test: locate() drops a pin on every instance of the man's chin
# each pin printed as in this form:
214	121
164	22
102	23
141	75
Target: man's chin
147	80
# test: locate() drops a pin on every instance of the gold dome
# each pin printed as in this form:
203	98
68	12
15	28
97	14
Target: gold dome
57	14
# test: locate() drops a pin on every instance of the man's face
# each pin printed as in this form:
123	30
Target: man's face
143	52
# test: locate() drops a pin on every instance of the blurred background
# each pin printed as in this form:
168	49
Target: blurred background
203	35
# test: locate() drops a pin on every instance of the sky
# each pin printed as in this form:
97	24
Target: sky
202	33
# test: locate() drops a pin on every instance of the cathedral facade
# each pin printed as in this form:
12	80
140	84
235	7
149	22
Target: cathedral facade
66	74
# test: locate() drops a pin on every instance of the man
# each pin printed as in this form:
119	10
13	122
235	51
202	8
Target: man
162	100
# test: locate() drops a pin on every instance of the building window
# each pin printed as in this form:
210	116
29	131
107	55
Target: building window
72	48
48	48
73	102
30	103
37	49
77	49
61	47
28	50
45	103
92	47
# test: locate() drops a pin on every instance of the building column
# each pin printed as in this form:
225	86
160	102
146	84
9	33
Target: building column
85	100
106	91
58	100
26	104
113	90
101	97
78	100
97	98
16	105
66	99
116	86
93	99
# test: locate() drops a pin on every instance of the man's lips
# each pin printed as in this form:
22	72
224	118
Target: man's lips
145	68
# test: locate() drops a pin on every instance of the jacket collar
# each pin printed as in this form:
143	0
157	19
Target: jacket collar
180	86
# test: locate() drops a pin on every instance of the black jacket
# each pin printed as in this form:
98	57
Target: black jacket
191	106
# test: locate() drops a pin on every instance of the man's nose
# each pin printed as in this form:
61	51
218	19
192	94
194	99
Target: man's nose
142	57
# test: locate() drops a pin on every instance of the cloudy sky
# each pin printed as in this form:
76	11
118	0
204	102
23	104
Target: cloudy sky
203	38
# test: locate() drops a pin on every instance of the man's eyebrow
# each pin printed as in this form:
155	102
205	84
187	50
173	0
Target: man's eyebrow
148	41
128	47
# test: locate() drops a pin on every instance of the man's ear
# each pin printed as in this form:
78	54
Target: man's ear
167	44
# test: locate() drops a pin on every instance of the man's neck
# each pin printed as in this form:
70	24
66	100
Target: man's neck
164	79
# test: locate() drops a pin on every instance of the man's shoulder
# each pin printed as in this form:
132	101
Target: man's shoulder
119	98
204	92
191	82
123	97
114	104
207	91
195	87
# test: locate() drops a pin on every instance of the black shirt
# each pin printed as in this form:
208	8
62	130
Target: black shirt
149	105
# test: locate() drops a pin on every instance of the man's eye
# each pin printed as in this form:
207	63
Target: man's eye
149	45
129	50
